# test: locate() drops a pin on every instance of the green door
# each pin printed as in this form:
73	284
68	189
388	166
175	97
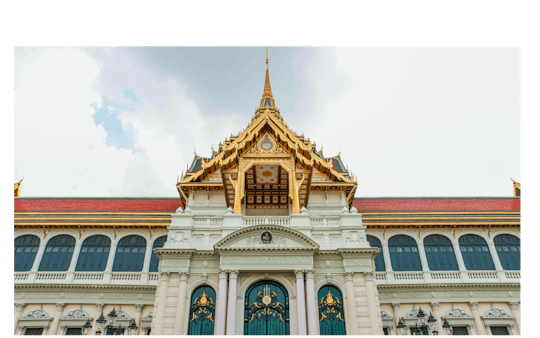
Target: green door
331	315
202	311
266	309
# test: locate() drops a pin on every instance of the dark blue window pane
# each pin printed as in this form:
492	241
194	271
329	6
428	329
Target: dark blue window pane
404	253
331	311
202	311
26	248
58	253
379	260
475	252
127	260
94	254
508	249
439	253
154	261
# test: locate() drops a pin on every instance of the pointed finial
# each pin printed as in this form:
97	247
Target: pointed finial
267	98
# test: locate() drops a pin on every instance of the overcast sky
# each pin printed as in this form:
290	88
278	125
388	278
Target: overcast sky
407	121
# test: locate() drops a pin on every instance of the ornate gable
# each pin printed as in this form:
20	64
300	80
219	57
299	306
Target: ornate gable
264	238
267	139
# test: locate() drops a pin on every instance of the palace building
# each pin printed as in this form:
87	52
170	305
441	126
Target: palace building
267	237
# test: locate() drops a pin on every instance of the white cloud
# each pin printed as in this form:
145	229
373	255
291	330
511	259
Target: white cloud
58	148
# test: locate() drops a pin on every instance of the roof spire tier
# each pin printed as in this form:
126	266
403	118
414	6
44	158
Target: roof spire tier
267	100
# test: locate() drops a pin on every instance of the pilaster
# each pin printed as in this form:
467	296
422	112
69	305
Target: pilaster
300	302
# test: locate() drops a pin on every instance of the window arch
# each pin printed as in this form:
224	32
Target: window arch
154	261
440	253
508	249
94	254
202	312
404	253
130	254
58	253
26	248
475	252
379	260
331	311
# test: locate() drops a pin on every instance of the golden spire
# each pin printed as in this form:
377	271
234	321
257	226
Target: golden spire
267	98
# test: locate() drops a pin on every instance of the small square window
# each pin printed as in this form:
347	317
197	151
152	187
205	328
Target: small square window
407	249
414	249
74	331
499	331
34	331
135	250
428	249
435	250
460	331
85	249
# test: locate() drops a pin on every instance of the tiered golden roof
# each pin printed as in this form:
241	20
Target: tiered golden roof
307	169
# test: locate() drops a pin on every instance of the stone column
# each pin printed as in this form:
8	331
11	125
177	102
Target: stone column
110	262
516	314
45	330
496	260
387	261
460	261
300	302
513	329
20	330
395	306
423	259
222	303
99	311
147	257
477	319
138	315
311	306
160	311
231	308
435	308
18	313
351	303
181	304
488	329
75	256
372	304
56	320
37	261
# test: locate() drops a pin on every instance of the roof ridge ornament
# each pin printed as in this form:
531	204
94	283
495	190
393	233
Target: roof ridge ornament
267	98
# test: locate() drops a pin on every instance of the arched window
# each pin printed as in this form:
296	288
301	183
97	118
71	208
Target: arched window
130	254
475	252
266	310
508	249
58	253
26	248
94	254
331	312
440	253
379	260
404	253
202	313
154	261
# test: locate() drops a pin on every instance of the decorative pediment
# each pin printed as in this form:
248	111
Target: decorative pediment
497	314
146	321
266	237
455	313
36	315
267	145
75	318
385	315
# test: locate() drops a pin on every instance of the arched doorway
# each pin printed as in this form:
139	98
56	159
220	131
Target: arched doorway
331	313
266	309
202	311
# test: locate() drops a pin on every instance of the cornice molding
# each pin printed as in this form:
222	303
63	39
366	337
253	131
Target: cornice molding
62	287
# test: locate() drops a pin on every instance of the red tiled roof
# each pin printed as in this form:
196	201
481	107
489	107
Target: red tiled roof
439	204
105	204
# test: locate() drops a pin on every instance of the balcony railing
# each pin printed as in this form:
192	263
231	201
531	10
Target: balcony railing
419	277
258	220
79	277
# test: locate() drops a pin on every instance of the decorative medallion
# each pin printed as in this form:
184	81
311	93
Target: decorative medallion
266	237
267	145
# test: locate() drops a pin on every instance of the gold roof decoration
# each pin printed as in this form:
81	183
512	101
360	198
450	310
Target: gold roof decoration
18	188
517	189
307	168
